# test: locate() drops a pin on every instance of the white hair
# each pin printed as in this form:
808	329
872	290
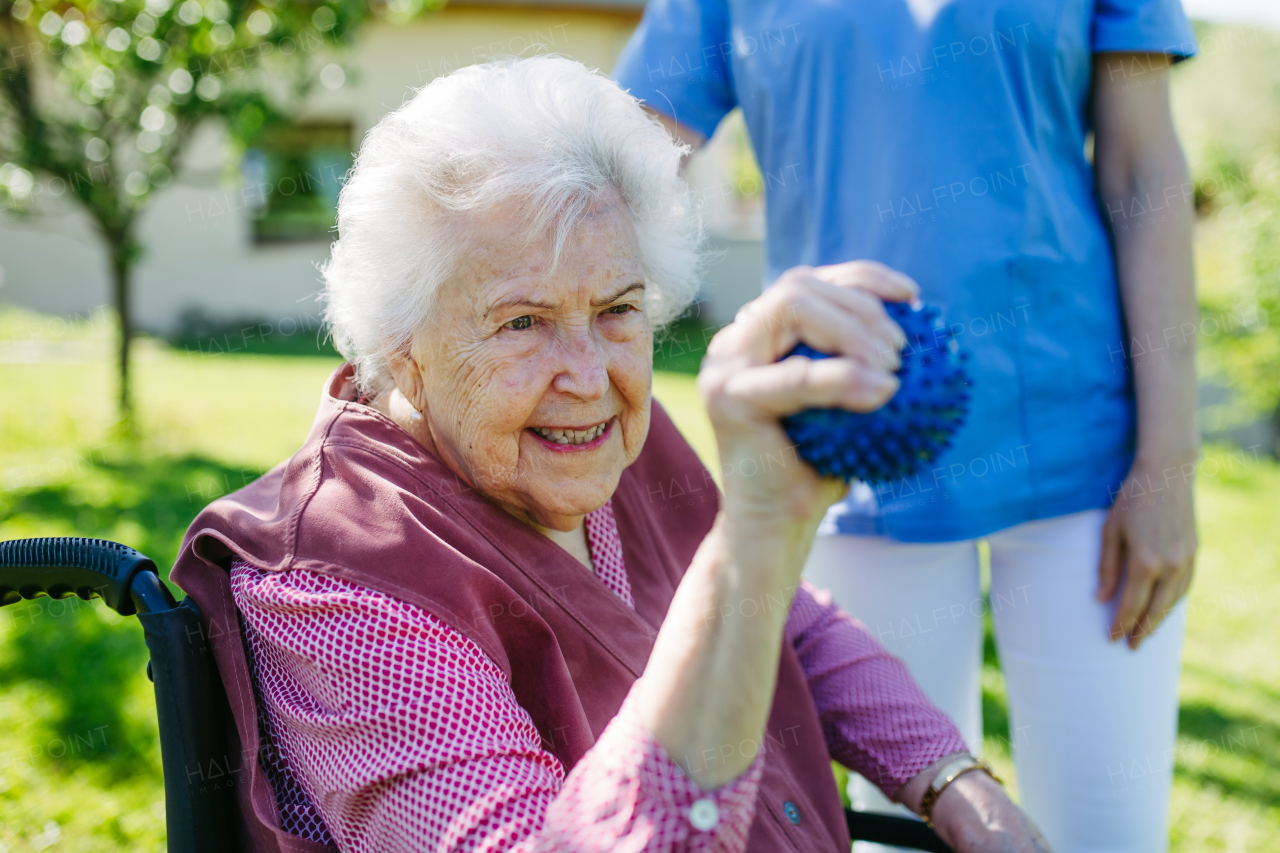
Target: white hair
544	132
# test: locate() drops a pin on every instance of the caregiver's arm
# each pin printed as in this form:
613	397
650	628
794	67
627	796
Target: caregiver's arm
1149	541
682	133
709	682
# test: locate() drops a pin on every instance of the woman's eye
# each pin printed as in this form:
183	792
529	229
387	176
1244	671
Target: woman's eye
522	322
620	309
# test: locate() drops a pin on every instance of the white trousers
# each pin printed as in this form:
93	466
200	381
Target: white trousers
1092	724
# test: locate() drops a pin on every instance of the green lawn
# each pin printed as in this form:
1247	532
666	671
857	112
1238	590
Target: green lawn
79	761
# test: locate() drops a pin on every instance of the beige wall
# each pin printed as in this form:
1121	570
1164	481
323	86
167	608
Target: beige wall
392	61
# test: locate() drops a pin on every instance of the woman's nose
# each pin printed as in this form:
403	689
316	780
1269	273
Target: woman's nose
584	369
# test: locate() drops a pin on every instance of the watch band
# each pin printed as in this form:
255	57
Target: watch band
950	772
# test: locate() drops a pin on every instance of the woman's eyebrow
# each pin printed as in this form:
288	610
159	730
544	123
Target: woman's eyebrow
518	301
596	303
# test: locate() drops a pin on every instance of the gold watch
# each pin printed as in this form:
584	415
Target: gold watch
950	772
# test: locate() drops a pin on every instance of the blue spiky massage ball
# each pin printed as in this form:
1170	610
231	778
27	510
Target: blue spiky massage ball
909	431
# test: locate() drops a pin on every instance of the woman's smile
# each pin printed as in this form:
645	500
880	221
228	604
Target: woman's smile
573	439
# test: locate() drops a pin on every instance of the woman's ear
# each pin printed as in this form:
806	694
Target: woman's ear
408	378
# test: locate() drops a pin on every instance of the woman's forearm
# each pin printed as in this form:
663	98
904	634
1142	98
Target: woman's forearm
710	680
709	684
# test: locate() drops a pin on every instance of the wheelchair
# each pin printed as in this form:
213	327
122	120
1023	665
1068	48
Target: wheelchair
191	705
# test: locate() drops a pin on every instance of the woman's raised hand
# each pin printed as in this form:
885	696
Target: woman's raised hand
836	309
711	677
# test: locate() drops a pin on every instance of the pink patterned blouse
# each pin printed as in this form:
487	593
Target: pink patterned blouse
391	731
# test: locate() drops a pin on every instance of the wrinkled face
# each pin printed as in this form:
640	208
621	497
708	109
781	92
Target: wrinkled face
534	381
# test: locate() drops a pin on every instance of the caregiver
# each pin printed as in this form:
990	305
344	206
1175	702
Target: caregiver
1019	161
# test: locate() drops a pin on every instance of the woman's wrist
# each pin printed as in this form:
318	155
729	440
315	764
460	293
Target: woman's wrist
771	490
971	799
912	792
760	554
974	813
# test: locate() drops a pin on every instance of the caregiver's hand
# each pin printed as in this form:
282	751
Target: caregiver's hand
835	309
1148	546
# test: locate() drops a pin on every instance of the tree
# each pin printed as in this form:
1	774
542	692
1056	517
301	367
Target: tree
99	98
1240	343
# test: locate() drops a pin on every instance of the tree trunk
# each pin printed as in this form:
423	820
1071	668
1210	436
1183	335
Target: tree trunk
121	279
1275	431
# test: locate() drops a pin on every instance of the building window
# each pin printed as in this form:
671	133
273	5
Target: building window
292	178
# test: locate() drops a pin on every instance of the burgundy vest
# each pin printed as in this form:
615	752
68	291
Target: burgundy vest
364	501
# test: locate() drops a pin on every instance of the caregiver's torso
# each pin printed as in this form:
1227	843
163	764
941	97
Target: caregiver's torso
946	139
887	127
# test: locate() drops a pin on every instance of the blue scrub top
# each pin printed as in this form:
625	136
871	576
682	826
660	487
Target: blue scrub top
947	140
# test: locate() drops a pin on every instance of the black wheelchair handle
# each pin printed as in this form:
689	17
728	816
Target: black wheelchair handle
893	830
63	566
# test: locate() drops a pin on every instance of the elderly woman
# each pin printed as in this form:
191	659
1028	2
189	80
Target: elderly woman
495	602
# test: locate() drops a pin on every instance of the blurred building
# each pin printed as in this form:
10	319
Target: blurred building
238	239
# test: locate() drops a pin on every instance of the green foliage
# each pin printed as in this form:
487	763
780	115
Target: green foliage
79	754
132	79
744	171
98	99
1239	318
679	347
1227	107
1227	785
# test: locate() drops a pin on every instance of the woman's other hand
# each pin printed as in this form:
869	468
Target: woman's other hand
974	813
836	309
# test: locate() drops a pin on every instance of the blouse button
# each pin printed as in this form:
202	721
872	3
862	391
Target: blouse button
704	815
792	812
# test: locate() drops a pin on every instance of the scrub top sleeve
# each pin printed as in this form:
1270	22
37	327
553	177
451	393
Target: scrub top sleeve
1142	26
675	62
